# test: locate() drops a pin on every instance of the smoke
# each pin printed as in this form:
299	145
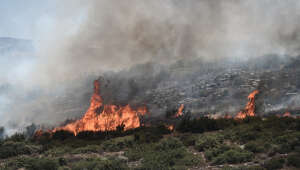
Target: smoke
87	38
104	35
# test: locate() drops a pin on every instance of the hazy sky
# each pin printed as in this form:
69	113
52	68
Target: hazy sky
21	18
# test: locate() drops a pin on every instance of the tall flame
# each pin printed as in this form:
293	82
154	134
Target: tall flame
100	117
179	111
250	107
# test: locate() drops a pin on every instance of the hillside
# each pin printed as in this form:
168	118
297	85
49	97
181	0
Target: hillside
252	143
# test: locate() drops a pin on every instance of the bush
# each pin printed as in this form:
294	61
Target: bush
169	143
98	164
294	160
226	154
18	137
44	164
189	139
9	149
274	163
62	135
32	164
88	149
207	141
233	156
255	146
151	135
118	144
167	154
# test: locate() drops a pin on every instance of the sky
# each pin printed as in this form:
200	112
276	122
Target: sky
21	18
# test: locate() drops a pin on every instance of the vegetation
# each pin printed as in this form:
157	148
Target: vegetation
252	143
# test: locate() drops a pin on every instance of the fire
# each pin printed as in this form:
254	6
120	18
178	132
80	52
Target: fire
100	117
170	127
287	114
179	111
250	107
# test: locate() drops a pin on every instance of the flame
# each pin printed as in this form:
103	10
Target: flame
287	114
100	117
250	107
179	111
170	127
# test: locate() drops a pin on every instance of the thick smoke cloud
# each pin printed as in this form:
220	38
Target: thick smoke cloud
113	35
96	36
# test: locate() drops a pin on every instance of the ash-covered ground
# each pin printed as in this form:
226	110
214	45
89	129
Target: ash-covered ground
219	87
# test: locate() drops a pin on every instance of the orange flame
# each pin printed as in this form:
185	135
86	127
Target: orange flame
250	107
100	117
287	114
170	127
179	111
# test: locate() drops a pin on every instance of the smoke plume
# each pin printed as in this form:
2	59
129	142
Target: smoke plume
92	37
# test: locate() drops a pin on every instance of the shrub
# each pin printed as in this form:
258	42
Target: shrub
294	160
88	149
255	146
32	164
18	137
244	168
226	154
207	141
119	143
9	149
169	143
233	156
42	163
151	135
58	151
1	133
274	163
189	139
62	135
98	164
167	154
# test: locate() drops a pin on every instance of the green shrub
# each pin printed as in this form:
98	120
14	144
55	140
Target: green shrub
207	141
274	163
9	149
189	139
58	151
98	164
18	137
166	154
294	160
43	163
255	146
244	168
169	143
32	164
227	154
88	149
233	156
118	144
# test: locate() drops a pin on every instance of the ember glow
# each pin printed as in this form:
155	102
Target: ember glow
250	107
100	117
